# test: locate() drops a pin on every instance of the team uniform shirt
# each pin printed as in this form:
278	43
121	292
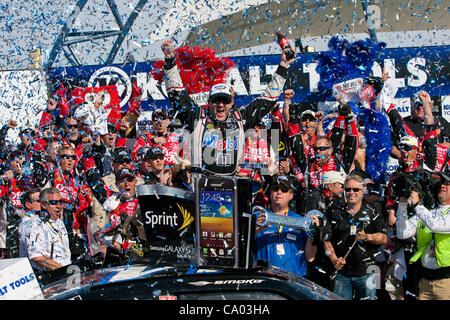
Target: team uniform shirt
256	154
218	147
49	238
74	196
171	147
283	247
316	172
117	217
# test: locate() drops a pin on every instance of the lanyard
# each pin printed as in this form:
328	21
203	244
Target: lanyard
280	228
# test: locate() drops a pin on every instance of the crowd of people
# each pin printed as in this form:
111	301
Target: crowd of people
66	190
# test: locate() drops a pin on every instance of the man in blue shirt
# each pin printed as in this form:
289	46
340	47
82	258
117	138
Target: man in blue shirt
284	247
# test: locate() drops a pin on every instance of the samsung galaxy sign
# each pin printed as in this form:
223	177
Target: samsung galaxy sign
409	69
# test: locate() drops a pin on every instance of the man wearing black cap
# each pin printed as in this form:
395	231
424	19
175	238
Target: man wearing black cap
121	159
218	131
152	168
432	231
284	247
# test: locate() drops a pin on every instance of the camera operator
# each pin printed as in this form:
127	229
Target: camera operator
432	230
357	230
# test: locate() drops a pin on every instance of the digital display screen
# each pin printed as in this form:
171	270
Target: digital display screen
217	225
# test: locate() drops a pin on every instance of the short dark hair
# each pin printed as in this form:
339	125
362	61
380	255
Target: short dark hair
26	197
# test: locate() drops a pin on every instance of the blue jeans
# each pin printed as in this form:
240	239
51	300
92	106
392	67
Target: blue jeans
363	287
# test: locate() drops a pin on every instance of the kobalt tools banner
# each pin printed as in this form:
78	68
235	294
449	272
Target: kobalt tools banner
410	70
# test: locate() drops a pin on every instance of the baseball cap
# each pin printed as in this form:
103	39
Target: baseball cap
159	113
283	180
409	141
121	155
445	176
122	173
153	152
333	176
220	90
308	112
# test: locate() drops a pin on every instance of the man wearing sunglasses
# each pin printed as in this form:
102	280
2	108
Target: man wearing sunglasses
218	131
48	242
71	186
284	247
421	122
357	230
169	141
121	206
334	152
152	168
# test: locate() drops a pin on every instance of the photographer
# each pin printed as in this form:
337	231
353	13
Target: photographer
357	230
432	230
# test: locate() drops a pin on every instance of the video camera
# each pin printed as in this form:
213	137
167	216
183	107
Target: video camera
421	181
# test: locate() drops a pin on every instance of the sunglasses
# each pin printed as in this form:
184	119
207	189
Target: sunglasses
112	129
127	179
71	126
308	118
352	189
68	156
406	147
221	99
321	148
55	202
158	157
283	188
159	118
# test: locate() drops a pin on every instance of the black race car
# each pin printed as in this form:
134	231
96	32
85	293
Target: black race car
185	282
